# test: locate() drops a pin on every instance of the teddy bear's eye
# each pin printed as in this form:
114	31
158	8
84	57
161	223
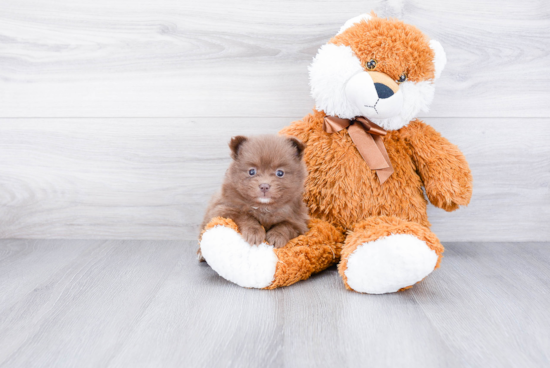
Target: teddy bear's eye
280	173
252	172
371	65
402	78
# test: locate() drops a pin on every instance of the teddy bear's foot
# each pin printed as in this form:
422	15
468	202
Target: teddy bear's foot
223	247
388	254
263	266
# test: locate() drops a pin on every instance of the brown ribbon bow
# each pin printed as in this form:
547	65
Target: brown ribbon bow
367	137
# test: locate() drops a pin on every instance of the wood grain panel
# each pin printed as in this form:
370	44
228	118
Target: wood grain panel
152	178
150	304
165	58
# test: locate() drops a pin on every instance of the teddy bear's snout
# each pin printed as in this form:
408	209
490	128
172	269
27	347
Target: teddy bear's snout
375	95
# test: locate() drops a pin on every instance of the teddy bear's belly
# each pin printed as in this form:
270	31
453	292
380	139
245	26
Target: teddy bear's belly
341	189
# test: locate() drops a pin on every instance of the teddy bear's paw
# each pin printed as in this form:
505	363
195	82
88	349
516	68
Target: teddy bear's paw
235	260
389	264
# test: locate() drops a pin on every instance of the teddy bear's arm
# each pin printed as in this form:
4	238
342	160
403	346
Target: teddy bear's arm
442	166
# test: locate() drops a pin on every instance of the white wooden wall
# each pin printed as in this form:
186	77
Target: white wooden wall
115	114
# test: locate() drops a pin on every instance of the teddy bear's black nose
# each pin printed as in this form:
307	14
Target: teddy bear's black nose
383	90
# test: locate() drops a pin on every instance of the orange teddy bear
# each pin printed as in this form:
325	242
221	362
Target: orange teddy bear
369	161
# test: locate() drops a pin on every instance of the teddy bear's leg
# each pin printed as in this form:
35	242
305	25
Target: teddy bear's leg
263	266
387	254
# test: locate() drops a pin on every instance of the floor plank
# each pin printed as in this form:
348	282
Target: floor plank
329	326
43	257
486	301
77	316
149	304
199	320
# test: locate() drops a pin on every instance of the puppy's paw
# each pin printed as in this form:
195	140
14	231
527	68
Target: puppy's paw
253	235
277	239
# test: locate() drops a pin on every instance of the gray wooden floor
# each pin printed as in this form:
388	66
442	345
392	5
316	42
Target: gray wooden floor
97	303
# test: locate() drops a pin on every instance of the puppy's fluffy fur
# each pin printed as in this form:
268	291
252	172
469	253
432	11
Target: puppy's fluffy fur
262	190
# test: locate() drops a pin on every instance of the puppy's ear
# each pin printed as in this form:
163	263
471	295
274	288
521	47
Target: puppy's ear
235	144
298	145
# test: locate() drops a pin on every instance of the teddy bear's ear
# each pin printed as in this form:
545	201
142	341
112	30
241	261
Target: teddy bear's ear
440	59
354	20
235	144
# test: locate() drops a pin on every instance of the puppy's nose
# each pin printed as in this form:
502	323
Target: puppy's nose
383	91
264	187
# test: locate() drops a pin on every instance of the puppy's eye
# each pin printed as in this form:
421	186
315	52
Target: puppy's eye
252	172
371	65
402	78
280	173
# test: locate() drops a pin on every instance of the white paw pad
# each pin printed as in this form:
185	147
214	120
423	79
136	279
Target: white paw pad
237	261
389	264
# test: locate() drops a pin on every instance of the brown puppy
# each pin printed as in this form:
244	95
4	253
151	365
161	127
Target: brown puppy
262	190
